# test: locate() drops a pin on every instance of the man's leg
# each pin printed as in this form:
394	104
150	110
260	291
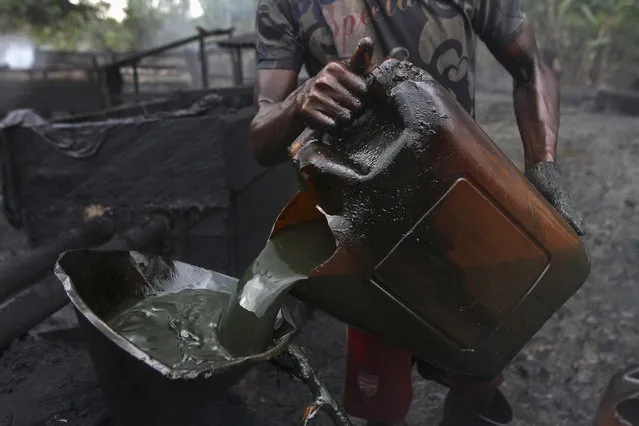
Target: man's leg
470	401
378	380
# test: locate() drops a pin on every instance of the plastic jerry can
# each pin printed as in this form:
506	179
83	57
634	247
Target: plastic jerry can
448	252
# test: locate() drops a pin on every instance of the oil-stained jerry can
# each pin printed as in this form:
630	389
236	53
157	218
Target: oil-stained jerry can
448	251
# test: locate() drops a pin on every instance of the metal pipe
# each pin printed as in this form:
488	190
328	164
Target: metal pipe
30	308
20	272
136	57
45	298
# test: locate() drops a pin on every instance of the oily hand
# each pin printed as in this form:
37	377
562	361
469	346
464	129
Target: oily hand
333	98
546	177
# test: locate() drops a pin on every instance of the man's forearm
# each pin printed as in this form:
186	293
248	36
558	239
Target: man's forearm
275	127
536	95
536	100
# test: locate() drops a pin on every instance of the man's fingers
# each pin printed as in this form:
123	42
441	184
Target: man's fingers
347	78
344	98
546	177
320	102
333	99
321	122
353	83
362	58
563	203
576	221
332	84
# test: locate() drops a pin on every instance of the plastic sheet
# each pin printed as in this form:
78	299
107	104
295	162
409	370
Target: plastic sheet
84	140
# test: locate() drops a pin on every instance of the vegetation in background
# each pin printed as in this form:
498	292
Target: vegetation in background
85	24
593	38
60	23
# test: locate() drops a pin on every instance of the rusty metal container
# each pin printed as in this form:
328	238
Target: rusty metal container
139	389
448	252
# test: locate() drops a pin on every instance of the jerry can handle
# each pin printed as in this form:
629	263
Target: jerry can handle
361	63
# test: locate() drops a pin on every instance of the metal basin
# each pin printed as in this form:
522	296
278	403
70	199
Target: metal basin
141	390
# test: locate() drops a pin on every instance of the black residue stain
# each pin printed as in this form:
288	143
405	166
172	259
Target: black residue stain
385	160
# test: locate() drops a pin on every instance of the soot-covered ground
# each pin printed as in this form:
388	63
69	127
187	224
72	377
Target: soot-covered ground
46	378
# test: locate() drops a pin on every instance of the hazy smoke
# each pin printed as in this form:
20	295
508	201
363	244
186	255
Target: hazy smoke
209	14
16	52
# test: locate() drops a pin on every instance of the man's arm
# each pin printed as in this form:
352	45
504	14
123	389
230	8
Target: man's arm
535	95
277	122
324	103
536	99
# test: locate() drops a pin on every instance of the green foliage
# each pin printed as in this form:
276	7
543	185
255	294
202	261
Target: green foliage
566	20
21	14
55	22
161	21
84	24
141	23
590	35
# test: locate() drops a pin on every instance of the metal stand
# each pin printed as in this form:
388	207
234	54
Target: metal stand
297	364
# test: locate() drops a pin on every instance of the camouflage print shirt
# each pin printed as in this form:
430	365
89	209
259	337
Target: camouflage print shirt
439	36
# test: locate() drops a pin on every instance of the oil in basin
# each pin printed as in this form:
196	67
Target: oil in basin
141	389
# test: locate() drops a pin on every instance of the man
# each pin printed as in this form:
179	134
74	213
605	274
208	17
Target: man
439	36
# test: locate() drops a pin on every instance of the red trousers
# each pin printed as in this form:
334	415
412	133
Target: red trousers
378	379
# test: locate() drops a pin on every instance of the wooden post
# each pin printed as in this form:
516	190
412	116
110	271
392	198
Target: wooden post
101	82
136	81
238	71
204	61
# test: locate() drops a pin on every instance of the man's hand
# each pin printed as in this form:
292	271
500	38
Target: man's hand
335	95
546	177
322	103
333	98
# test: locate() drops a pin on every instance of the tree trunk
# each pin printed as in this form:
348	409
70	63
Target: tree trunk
600	59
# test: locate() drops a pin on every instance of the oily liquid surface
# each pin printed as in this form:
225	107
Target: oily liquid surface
192	326
177	329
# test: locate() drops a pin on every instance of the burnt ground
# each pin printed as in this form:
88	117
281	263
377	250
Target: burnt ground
46	377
